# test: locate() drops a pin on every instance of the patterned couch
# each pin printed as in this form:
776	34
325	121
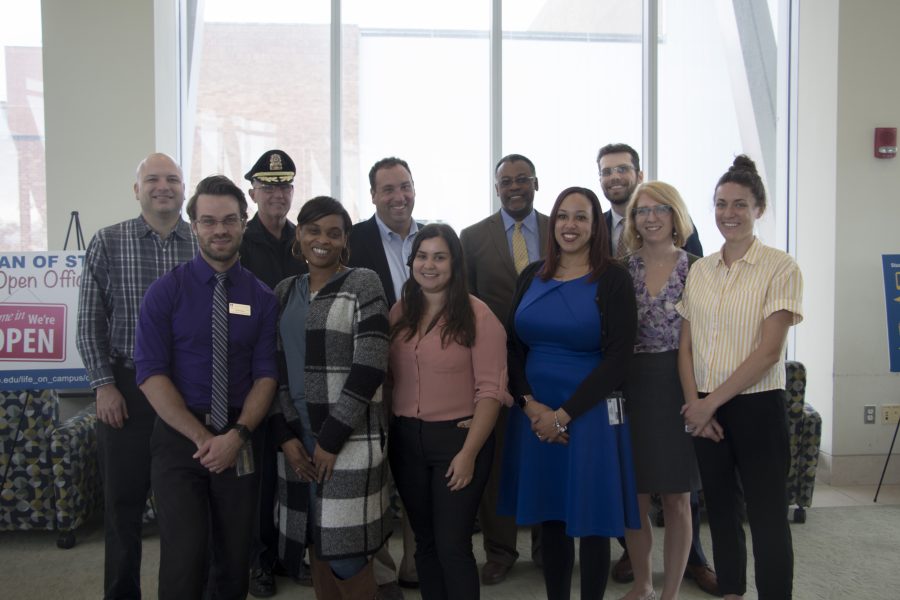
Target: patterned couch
805	431
48	470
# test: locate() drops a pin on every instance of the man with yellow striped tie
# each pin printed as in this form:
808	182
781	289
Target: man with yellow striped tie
496	250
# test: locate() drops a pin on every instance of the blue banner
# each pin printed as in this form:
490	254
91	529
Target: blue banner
892	303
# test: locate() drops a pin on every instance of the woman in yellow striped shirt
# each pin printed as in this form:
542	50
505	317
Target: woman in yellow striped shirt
737	307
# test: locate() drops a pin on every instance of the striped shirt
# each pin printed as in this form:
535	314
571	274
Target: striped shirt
121	262
726	307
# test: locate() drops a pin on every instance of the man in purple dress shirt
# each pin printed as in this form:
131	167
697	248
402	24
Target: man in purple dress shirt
202	472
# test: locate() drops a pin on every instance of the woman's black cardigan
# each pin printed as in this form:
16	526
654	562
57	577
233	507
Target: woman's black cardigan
618	327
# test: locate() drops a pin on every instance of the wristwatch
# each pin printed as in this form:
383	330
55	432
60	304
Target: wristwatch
243	432
521	401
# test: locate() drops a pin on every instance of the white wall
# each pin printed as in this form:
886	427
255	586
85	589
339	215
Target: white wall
99	109
848	215
816	175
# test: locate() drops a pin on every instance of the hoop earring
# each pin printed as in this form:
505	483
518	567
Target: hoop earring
296	252
345	256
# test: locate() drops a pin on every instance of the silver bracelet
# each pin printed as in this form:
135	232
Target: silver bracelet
559	428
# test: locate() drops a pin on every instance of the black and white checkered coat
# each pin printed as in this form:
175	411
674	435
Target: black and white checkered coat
346	359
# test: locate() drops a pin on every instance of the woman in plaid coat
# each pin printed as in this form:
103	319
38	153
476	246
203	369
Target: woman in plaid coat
328	418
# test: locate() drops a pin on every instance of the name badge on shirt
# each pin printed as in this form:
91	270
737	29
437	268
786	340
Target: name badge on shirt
615	406
239	309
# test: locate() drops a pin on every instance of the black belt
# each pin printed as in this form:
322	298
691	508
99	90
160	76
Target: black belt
203	415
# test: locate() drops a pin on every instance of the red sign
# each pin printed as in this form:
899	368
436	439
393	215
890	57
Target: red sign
32	332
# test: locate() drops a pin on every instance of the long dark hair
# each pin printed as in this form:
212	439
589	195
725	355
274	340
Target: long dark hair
598	256
459	318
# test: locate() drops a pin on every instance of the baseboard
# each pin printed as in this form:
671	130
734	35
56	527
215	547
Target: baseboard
862	469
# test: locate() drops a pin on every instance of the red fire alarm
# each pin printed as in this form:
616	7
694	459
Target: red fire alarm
885	142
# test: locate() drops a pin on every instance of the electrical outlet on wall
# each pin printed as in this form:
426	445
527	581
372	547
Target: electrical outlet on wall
869	414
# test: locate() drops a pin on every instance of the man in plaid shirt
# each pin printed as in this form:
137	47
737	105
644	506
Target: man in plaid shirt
122	261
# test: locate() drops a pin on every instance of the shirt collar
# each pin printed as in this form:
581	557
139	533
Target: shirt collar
387	232
751	256
529	222
182	228
205	273
615	218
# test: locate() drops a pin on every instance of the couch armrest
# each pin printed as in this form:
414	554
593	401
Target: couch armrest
76	473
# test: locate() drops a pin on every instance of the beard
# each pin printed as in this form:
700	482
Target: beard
221	254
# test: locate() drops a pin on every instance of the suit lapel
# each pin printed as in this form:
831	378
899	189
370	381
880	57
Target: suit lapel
497	234
379	260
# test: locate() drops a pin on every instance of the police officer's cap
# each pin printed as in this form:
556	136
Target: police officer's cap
275	166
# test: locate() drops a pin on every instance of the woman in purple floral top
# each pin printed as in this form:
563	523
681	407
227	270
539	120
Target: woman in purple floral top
656	227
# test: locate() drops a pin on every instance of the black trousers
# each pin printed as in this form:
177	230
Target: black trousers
559	560
265	534
442	521
756	450
124	456
200	512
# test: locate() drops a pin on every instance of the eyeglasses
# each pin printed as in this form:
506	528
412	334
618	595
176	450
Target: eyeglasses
659	210
230	222
520	181
620	170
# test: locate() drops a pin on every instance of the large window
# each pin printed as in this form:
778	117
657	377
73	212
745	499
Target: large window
571	83
423	85
415	81
716	100
23	203
260	81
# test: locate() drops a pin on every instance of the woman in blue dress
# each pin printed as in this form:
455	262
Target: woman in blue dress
567	461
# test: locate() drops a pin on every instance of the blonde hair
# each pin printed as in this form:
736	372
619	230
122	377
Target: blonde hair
663	193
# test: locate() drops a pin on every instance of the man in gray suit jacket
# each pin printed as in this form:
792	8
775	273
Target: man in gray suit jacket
495	254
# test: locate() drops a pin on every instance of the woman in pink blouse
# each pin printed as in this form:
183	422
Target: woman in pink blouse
448	365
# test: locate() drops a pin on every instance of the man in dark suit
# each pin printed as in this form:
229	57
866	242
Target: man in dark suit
620	173
496	250
383	244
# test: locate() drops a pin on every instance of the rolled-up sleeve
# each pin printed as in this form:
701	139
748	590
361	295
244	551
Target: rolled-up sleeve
785	292
489	364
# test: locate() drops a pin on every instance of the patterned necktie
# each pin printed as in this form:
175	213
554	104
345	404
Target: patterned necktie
621	249
520	250
219	402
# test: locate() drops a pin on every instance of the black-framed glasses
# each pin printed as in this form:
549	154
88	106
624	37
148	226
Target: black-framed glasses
619	170
230	222
520	181
660	210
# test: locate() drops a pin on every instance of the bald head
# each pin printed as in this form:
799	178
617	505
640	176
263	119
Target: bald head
159	186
